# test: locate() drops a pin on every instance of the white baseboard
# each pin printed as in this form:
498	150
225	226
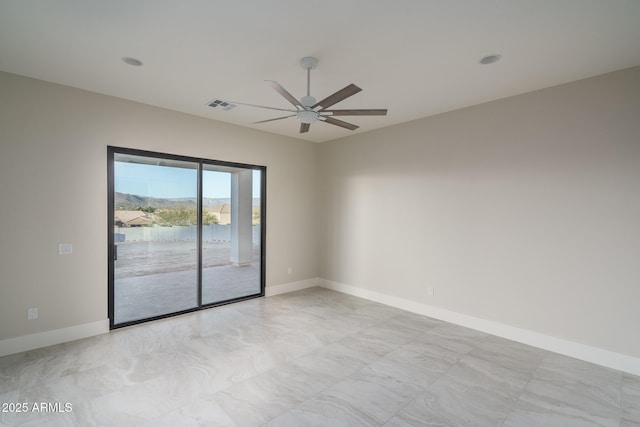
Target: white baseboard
56	336
290	287
573	349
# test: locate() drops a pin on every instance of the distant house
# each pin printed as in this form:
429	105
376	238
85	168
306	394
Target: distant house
135	218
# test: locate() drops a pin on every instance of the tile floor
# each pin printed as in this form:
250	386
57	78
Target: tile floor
310	358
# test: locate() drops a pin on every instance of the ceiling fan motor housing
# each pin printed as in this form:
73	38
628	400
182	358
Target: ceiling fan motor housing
307	101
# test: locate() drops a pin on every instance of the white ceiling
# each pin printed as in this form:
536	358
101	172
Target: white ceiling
415	57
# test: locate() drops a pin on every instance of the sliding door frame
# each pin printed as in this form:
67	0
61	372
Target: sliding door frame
111	153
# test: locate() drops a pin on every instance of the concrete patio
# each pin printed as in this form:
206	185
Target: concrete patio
156	278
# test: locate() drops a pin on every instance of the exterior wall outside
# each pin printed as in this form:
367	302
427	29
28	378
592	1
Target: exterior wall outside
210	233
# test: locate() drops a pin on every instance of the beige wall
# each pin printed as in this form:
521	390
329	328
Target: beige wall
524	211
53	189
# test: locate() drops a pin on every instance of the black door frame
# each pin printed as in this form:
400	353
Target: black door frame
111	253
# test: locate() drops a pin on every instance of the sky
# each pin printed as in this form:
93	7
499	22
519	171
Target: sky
173	182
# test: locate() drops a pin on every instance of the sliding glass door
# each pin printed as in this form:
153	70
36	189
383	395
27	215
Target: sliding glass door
185	233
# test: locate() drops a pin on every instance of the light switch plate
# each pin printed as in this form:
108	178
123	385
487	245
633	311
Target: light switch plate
65	249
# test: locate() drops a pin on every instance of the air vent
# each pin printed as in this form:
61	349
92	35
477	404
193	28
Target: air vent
221	105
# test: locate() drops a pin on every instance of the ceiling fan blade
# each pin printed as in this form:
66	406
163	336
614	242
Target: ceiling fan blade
340	95
277	118
360	112
304	127
282	91
340	123
263	106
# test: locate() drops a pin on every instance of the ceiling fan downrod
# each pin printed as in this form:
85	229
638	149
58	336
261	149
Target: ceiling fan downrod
308	63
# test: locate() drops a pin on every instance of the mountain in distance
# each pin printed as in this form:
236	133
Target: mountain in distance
125	201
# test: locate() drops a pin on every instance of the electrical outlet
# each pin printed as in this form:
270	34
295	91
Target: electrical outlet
32	313
430	291
289	270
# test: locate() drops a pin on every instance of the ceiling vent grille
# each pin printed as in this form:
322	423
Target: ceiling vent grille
221	105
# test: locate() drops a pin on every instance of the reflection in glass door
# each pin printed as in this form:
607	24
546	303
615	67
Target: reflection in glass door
185	233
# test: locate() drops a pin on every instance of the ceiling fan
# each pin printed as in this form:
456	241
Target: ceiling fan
308	111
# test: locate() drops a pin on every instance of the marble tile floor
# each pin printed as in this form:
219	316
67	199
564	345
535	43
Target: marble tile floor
309	358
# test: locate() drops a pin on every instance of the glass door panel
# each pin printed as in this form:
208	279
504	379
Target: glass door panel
231	233
155	237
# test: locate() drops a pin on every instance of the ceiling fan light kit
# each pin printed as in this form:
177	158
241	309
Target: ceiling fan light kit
308	111
306	116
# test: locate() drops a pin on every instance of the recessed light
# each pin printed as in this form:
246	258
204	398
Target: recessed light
490	59
132	61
